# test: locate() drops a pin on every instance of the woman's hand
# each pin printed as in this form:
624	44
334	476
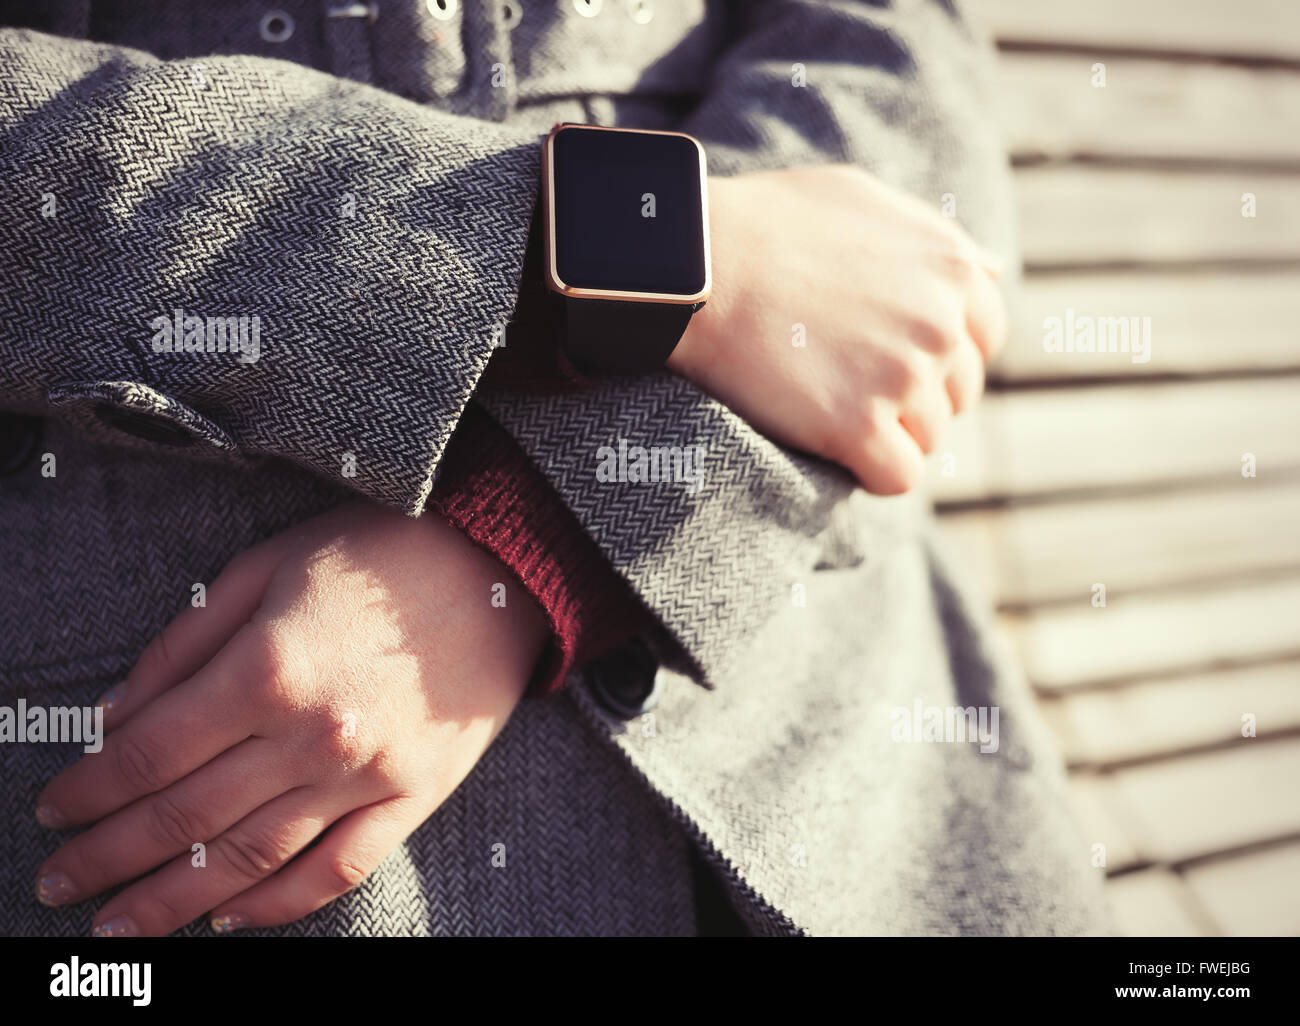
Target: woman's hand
899	311
343	678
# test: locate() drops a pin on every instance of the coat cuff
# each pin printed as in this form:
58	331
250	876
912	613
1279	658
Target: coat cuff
490	491
529	357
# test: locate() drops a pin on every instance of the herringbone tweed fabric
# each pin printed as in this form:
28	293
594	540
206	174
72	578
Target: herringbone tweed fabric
376	230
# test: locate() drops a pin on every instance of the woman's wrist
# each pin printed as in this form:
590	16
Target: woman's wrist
694	352
490	492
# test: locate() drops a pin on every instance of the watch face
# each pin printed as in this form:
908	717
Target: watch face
629	212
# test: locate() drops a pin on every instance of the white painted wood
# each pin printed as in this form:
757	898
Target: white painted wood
1096	807
1056	551
1202	322
1149	634
1242	28
1148	109
1252	895
1202	804
1049	440
1155	903
1153	718
1080	214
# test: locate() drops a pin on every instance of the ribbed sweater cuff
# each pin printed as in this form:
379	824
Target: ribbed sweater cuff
489	490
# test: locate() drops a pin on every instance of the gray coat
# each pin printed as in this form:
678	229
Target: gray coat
364	188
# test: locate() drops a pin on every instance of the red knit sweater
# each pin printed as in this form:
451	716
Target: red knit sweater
490	490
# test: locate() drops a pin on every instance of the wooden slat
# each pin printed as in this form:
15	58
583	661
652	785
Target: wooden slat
1087	215
1153	634
1155	903
1201	322
1252	895
1095	805
1198	805
1148	109
1056	551
1153	718
1046	440
1243	28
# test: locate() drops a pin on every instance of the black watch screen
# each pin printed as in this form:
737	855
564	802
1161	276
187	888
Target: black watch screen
628	212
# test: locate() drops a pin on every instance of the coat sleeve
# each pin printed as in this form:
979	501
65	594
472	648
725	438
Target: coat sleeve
899	87
362	249
896	86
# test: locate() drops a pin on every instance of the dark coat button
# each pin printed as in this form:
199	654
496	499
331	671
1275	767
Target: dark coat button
142	425
19	439
625	681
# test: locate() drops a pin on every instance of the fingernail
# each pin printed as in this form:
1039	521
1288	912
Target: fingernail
118	926
50	817
112	698
54	889
227	923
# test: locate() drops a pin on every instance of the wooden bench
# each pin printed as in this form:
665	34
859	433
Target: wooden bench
1086	469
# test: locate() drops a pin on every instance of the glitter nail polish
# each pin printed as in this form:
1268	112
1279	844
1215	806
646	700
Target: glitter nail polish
112	698
53	890
228	923
118	926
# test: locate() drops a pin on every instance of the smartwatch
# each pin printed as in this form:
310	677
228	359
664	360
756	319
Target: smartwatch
625	243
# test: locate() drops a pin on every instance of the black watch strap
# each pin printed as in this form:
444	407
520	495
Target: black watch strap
614	336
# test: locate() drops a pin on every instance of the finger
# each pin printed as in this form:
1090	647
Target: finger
167	739
924	415
250	851
986	316
345	856
990	261
149	832
965	380
887	461
194	636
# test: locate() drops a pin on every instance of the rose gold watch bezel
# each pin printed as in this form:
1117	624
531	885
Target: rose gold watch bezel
553	280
